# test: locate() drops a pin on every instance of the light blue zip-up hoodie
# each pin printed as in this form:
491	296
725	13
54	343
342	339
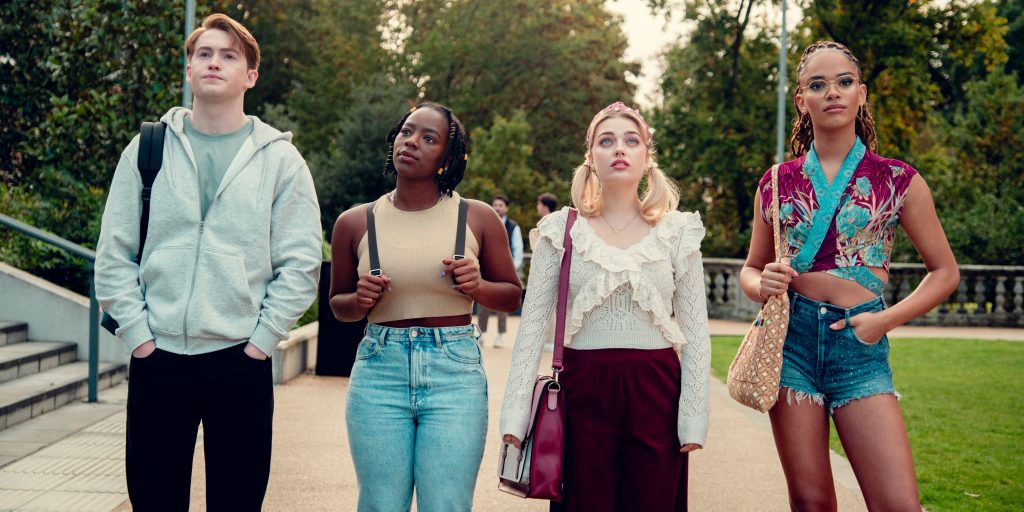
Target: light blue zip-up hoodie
245	272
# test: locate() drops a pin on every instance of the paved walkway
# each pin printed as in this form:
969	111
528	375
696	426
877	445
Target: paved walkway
83	470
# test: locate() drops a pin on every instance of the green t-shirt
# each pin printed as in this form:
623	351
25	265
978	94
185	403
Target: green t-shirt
214	154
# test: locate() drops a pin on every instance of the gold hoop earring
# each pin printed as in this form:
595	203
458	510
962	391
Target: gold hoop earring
440	171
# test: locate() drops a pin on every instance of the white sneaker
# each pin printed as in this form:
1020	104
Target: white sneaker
498	342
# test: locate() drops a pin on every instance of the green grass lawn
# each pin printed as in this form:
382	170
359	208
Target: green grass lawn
963	403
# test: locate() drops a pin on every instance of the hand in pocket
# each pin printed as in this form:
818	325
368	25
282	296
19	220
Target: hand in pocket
255	353
145	350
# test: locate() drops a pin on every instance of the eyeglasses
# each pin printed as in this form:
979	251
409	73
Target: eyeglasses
820	87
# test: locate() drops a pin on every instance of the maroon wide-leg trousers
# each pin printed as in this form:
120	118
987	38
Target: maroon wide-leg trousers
622	448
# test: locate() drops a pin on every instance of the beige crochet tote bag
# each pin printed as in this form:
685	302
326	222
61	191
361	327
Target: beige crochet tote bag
754	373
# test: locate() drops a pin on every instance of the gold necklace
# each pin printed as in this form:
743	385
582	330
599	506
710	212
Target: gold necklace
637	214
391	197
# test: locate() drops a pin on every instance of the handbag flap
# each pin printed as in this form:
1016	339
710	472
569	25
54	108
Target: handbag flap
539	387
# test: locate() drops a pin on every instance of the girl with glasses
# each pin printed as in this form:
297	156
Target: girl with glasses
839	206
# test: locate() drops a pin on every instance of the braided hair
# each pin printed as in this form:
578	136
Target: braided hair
453	164
803	131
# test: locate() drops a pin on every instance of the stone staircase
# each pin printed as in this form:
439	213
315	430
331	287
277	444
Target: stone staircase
39	376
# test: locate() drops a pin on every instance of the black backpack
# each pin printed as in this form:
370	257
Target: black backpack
151	156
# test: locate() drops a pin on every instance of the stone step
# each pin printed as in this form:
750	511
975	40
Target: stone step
29	357
12	332
46	431
30	396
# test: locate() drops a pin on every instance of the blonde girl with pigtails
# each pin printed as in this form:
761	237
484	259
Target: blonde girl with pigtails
637	351
839	206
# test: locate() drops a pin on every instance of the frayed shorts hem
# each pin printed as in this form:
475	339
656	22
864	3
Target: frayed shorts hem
798	395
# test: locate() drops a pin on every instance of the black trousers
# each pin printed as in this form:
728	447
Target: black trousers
168	396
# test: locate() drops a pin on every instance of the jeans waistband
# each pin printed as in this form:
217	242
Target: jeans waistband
418	334
801	305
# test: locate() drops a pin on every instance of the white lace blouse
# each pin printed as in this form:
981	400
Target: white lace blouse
618	298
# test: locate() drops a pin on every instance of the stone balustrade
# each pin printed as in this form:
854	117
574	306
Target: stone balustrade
988	295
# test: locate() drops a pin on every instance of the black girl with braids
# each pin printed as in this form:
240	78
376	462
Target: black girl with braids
455	158
417	400
839	206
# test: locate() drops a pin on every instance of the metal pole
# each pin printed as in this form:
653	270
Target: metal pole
190	23
780	125
94	337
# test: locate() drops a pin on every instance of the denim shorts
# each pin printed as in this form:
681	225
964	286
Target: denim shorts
832	368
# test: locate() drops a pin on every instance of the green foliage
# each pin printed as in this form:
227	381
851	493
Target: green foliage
981	197
915	56
342	54
715	130
350	170
961	418
1013	11
558	62
500	165
76	81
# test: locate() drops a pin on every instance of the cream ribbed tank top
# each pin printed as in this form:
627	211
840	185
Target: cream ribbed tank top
411	246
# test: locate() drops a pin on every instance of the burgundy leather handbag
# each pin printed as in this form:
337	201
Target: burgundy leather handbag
535	471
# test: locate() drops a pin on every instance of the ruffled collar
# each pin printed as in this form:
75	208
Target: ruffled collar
674	229
656	245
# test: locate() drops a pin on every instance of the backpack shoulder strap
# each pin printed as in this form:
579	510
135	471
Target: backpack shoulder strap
371	239
151	156
151	153
460	230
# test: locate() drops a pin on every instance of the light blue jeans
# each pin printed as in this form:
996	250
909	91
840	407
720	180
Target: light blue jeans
417	416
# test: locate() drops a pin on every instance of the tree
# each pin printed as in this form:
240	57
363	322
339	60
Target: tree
350	171
76	81
981	198
1013	11
344	54
715	128
915	56
559	62
500	164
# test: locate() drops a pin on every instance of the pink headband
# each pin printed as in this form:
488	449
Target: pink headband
619	106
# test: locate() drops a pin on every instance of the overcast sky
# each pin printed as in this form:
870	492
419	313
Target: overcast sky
649	36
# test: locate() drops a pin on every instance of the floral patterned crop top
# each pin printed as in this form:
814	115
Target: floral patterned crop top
867	211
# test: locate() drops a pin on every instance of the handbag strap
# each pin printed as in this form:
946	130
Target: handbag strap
563	294
781	249
371	236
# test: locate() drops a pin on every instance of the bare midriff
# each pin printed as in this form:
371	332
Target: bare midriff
835	290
